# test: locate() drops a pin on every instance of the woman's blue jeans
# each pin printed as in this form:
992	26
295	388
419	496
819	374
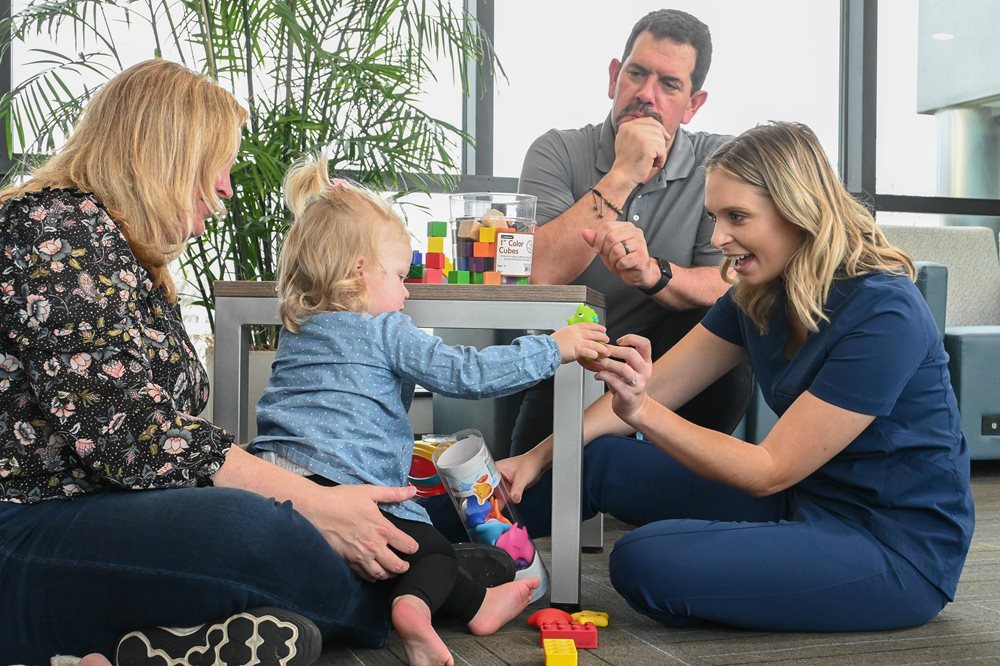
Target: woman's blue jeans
77	574
707	553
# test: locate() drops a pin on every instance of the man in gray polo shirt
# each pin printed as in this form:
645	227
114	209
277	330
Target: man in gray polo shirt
621	209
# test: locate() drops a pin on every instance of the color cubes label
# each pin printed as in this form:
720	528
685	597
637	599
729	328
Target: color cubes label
514	253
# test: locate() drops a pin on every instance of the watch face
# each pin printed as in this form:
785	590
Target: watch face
665	270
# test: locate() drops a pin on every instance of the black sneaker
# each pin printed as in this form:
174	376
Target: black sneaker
264	636
486	565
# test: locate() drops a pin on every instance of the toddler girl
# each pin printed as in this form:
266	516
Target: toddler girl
343	379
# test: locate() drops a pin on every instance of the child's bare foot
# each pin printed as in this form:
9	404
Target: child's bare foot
502	604
94	659
412	619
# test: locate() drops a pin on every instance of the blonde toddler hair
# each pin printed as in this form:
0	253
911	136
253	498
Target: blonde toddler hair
145	140
840	240
336	224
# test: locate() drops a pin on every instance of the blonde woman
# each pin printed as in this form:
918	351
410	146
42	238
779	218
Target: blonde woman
347	362
120	508
854	513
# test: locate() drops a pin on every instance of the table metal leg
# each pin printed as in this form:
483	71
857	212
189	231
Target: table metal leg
567	465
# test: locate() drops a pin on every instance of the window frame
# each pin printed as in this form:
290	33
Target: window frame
858	105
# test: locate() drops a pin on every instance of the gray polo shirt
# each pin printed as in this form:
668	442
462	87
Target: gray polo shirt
562	165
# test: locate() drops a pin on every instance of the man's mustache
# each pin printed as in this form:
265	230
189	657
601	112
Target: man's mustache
640	109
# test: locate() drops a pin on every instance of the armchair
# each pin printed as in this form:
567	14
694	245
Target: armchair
972	331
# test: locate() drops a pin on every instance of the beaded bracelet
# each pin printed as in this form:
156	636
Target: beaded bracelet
604	200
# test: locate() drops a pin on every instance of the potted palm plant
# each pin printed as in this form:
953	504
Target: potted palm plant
339	75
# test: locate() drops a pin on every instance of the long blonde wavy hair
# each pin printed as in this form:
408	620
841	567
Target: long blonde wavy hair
336	224
144	144
786	162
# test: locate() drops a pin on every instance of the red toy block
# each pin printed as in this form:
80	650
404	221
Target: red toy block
549	615
434	260
434	276
584	635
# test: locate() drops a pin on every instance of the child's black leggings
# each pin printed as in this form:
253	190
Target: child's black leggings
434	575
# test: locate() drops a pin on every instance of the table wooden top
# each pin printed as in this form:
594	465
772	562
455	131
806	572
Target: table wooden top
570	293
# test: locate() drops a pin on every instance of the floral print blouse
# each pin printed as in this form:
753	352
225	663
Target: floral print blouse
98	379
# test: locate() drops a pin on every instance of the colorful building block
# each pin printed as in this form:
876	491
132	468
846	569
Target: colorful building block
417	259
584	635
434	260
559	652
433	275
458	277
435	244
597	618
416	272
491	277
487	235
437	229
483	249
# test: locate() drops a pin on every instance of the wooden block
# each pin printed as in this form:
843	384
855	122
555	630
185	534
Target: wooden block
491	277
437	229
435	244
487	235
458	277
416	272
469	229
477	278
483	250
495	224
433	276
434	260
464	247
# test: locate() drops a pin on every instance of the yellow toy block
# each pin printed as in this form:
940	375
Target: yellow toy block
435	244
487	235
560	652
596	618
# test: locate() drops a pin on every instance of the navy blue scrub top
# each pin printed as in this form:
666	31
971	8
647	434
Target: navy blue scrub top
905	479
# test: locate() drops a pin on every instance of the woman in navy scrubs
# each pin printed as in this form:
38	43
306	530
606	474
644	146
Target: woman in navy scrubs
855	512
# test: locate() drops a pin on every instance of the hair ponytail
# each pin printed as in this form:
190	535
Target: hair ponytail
335	225
304	182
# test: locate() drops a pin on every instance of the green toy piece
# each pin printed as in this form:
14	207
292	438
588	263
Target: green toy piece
584	313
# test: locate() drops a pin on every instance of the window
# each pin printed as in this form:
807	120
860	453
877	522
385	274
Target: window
781	63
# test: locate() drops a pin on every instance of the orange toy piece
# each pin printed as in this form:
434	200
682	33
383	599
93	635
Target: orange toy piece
559	652
584	635
548	615
495	511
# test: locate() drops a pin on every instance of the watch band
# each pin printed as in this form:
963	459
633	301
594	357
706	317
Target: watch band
665	274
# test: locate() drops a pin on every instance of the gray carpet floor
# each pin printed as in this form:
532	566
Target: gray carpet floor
966	631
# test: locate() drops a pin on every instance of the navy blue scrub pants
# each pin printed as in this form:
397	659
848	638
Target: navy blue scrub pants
706	553
75	575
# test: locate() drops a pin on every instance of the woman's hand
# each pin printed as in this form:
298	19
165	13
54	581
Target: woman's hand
350	520
523	471
625	373
347	516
